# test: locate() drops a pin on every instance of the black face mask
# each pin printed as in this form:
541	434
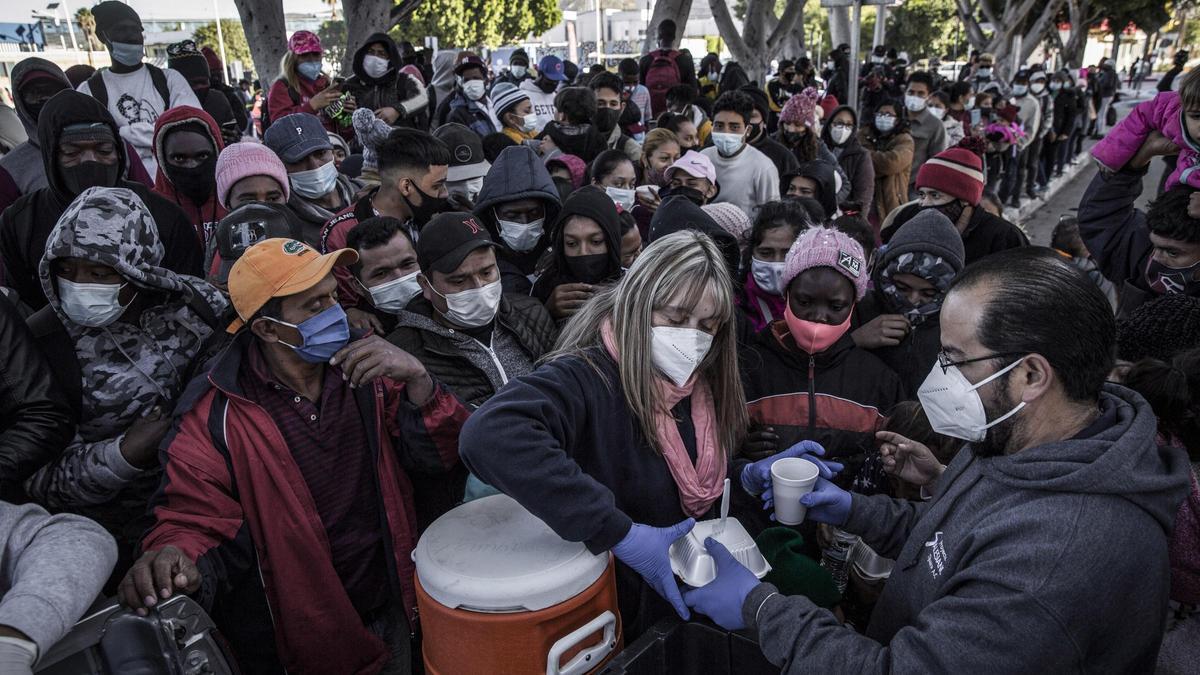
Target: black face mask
198	182
953	210
429	207
89	174
755	132
34	110
792	138
546	85
605	120
691	194
588	269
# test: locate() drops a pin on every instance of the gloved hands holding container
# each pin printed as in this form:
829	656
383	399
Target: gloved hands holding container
646	550
722	599
756	477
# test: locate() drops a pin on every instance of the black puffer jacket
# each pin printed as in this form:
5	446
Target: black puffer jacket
522	316
34	415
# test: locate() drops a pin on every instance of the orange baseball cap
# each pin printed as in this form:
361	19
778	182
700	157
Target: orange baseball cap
274	268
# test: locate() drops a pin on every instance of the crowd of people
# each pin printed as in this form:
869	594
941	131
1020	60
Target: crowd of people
258	345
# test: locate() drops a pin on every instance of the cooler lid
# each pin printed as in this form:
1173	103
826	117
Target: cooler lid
491	555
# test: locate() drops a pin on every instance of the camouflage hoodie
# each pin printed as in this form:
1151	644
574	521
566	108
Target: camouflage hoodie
126	368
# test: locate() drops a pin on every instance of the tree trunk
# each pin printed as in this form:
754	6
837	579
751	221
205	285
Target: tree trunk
839	27
362	17
1116	50
1079	14
677	11
265	33
758	43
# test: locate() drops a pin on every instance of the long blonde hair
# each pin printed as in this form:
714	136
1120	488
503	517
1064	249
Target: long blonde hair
687	262
288	70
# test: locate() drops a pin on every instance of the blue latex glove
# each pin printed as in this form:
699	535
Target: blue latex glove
827	503
723	597
756	477
645	549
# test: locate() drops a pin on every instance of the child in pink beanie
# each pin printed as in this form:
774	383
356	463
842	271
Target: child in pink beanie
243	160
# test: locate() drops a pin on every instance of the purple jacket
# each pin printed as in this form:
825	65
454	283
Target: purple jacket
1163	113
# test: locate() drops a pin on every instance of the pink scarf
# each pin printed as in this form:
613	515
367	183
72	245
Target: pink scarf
762	308
701	484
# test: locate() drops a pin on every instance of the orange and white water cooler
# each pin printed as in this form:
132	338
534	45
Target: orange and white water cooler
499	593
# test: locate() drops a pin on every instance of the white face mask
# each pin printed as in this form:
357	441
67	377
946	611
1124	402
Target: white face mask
314	183
985	72
914	103
767	275
474	307
677	352
884	123
466	188
622	197
375	66
529	122
953	404
1037	87
840	133
519	71
521	237
728	144
938	113
91	305
970	104
474	89
393	296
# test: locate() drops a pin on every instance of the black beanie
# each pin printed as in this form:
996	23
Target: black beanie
111	12
1160	328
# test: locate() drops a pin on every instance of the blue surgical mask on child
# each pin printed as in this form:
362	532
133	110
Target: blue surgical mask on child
322	335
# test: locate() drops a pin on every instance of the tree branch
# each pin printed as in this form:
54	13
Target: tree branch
791	14
966	12
728	30
989	14
1040	26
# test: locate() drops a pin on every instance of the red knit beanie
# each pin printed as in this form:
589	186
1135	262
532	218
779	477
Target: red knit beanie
957	172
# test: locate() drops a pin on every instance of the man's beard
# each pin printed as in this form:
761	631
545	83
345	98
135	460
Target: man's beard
999	437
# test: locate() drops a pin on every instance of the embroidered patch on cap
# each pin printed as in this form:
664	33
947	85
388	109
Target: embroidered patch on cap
850	263
293	247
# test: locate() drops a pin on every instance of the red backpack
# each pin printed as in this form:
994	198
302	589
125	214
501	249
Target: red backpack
662	74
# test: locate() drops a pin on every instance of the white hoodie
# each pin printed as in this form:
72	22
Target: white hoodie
543	103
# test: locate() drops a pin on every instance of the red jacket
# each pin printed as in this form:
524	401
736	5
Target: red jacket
280	103
205	215
233	499
334	235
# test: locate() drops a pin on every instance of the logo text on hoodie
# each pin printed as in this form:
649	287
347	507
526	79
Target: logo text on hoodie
937	555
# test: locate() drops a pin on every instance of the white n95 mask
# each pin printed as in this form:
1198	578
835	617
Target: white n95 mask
474	307
677	352
953	405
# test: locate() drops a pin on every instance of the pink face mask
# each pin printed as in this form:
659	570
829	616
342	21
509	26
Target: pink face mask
814	337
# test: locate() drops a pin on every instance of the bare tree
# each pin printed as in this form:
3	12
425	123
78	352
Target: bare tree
763	34
263	23
1016	19
1082	14
839	26
675	10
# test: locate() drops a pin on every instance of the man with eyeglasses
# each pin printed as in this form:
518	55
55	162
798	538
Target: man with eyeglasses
1044	545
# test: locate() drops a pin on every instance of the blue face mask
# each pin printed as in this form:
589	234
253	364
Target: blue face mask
309	70
323	335
127	53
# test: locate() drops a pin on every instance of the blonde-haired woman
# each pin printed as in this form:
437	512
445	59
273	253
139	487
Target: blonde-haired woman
660	149
302	87
625	434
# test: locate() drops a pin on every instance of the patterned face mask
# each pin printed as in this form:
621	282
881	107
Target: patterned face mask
927	266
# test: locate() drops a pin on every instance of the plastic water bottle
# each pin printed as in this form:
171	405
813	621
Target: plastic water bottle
836	558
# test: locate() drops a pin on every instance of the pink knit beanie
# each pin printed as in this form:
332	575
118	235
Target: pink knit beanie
249	158
801	108
827	247
731	218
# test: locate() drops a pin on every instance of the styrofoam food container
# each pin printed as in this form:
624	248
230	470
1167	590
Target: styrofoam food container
692	563
870	565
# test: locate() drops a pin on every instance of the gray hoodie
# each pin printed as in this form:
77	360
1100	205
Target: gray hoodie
1050	560
51	569
24	163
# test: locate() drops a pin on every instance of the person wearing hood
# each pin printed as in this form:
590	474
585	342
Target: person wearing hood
573	130
380	84
927	131
952	183
1061	490
514	111
763	294
518	69
217	81
803	376
585	253
898	320
760	137
816	180
890	147
518	198
82	148
748	177
186	59
122	335
468	103
841	138
318	191
610	108
187	143
303	89
36	81
134	93
1024	167
543	90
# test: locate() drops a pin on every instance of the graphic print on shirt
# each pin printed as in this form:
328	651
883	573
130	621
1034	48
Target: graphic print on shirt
133	110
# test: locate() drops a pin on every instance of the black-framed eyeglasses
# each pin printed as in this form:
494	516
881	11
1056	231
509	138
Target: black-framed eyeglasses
945	362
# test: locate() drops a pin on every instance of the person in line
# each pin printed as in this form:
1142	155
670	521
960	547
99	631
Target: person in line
643	382
781	88
636	94
1029	118
938	105
244	227
1026	346
585	253
386	270
890	144
1066	113
35	82
1107	84
610	106
684	129
185	58
1145	253
1039	89
55	566
249	173
518	198
187	142
732	220
381	84
303	89
694	177
1066	240
318	191
898	321
760	137
134	93
572	131
927	131
542	90
467	167
748	178
82	148
122	336
660	150
776	227
468	103
665	67
217	79
517	71
614	173
815	180
683	99
309	475
842	139
514	111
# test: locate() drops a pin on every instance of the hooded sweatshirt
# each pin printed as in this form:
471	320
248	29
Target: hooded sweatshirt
204	215
679	213
854	160
517	174
823	174
25	228
590	202
543	103
127	367
1050	560
394	89
21	170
